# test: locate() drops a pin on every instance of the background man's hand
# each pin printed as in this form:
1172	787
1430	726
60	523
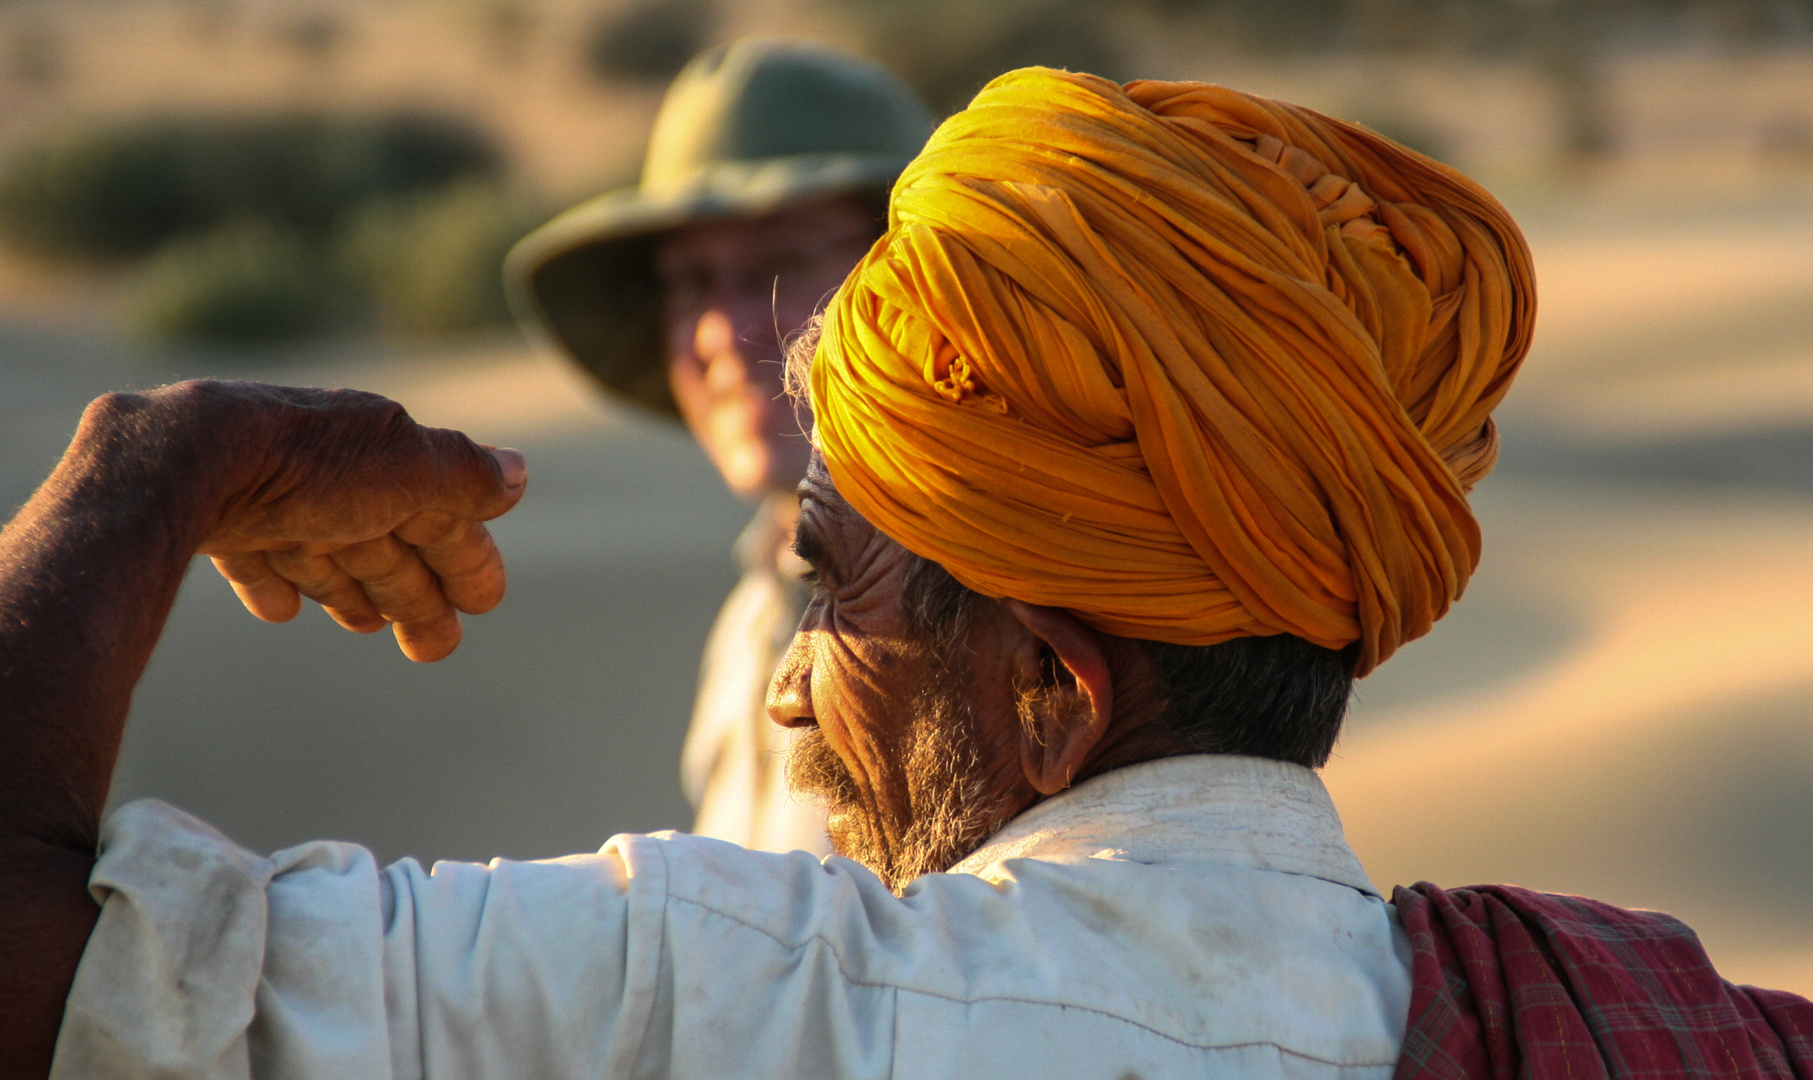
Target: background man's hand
339	496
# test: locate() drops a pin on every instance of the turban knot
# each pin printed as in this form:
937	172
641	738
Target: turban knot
1190	363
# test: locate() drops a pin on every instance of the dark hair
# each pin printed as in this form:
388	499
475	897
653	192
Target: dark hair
1277	697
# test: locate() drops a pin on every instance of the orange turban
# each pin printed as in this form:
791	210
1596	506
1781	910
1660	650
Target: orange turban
1190	363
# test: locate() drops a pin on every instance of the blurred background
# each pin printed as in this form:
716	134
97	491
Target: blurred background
319	192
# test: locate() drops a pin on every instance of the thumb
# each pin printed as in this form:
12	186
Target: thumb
475	482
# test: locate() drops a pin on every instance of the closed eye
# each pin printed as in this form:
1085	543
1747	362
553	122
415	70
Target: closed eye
810	547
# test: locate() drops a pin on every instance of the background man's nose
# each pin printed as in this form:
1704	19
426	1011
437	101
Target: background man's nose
790	691
726	352
714	336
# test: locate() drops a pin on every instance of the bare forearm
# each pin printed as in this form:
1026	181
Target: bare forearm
88	572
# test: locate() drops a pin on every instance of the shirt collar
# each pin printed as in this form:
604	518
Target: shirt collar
1198	808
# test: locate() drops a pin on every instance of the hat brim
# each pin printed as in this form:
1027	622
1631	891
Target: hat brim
586	279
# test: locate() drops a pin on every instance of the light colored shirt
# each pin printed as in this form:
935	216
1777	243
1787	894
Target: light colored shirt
734	765
1191	917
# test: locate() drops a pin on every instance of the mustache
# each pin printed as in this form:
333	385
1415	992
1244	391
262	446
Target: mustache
815	771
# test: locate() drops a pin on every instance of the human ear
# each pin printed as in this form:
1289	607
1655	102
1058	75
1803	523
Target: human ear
1070	702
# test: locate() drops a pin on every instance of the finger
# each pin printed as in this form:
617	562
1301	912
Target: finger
431	639
474	482
462	554
405	591
263	592
319	578
395	579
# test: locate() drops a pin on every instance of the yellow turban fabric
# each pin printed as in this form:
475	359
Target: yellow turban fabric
1190	363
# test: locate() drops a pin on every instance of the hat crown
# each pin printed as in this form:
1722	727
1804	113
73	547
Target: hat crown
758	100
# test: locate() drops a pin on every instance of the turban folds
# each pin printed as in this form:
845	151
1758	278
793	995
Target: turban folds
1190	363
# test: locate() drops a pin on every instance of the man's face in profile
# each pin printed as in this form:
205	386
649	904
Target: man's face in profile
732	292
911	743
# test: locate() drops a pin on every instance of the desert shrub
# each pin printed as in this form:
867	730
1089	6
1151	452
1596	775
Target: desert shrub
430	263
126	188
97	193
244	281
651	40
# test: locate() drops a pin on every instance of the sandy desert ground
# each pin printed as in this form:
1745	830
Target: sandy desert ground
1622	706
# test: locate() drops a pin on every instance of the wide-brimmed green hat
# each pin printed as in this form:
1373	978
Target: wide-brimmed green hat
744	130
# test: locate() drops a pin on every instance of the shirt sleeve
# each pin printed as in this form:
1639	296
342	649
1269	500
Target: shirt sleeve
213	963
657	956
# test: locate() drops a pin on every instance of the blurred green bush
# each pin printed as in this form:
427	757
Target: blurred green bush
259	229
429	264
241	281
125	188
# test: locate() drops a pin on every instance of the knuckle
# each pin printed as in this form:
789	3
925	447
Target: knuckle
113	410
409	576
343	399
484	579
431	530
415	608
370	560
333	592
115	401
306	571
463	561
412	594
198	396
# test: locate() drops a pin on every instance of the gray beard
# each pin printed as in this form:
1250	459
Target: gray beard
942	771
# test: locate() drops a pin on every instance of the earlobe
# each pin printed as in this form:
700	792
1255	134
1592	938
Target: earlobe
1063	718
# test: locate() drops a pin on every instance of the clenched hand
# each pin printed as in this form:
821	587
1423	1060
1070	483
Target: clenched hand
331	494
344	499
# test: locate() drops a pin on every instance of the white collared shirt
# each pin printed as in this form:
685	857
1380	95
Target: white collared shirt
1195	916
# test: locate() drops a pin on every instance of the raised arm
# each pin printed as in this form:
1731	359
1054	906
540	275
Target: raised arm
334	495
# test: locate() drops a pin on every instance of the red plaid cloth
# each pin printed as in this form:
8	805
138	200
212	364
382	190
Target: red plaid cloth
1509	984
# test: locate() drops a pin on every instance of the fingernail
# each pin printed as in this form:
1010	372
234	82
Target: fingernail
515	468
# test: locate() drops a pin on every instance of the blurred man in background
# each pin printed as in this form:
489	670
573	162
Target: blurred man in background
765	181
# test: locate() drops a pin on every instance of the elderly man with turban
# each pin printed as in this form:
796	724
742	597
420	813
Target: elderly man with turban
1144	429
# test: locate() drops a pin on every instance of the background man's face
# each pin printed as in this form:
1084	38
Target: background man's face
732	292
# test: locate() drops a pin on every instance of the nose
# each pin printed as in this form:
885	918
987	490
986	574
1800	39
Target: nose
790	691
714	342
